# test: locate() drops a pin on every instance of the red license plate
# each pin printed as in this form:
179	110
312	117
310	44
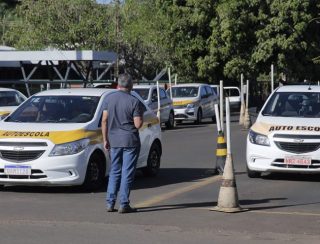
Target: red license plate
297	160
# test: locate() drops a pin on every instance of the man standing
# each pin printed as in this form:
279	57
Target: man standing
121	120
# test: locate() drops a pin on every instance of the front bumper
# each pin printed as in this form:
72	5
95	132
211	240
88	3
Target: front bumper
49	171
271	159
185	114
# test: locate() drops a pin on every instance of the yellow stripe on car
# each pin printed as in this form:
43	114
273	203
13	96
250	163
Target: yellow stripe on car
184	102
57	137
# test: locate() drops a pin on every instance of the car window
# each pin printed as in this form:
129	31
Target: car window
203	92
184	91
293	104
209	91
213	91
154	95
56	109
231	92
163	94
143	92
10	98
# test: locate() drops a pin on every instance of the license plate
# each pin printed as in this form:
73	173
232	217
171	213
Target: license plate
297	160
17	170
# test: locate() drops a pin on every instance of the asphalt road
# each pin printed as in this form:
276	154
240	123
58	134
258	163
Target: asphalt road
175	206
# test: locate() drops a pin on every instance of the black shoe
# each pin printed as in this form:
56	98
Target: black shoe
127	209
111	209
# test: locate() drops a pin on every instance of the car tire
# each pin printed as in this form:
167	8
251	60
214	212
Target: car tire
253	174
153	162
199	117
95	174
170	122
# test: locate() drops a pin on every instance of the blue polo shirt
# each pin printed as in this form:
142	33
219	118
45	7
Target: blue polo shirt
122	107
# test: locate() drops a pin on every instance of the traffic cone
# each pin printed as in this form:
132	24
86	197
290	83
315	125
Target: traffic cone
247	120
228	195
221	153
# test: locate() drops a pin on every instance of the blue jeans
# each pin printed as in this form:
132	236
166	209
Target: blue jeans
122	172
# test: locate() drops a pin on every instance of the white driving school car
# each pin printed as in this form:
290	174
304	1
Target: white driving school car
286	134
193	102
150	95
10	99
55	138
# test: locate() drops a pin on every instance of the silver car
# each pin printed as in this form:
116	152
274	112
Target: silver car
150	95
193	102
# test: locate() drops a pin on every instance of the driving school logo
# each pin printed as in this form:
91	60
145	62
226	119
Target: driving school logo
25	134
301	128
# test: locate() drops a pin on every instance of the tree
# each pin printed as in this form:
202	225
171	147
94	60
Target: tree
7	17
287	38
64	24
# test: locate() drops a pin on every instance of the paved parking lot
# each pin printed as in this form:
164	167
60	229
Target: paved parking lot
173	207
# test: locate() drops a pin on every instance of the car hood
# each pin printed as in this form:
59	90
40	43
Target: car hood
284	125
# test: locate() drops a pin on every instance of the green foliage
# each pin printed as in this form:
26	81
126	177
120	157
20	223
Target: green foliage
65	24
205	40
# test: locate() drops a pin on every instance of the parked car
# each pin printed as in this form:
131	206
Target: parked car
54	138
233	93
286	135
10	99
150	95
193	102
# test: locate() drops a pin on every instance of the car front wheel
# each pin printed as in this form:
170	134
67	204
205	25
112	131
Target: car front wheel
199	117
153	163
95	173
253	174
170	122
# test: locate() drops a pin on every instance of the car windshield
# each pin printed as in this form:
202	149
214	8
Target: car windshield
184	91
10	98
143	92
231	92
56	109
293	104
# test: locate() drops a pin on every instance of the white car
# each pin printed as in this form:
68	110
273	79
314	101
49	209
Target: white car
286	134
150	95
233	93
193	102
54	138
10	99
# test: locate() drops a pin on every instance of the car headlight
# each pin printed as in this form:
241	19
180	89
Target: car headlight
190	105
258	139
70	147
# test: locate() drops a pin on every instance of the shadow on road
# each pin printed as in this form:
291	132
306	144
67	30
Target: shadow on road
169	176
292	177
166	176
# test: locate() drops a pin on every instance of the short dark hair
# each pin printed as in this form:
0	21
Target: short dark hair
125	81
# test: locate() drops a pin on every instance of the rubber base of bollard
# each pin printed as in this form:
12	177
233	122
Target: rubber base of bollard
229	210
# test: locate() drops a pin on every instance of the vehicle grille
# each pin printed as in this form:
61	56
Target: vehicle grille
297	147
179	106
181	116
20	156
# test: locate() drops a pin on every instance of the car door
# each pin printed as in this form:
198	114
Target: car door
204	101
211	101
165	105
